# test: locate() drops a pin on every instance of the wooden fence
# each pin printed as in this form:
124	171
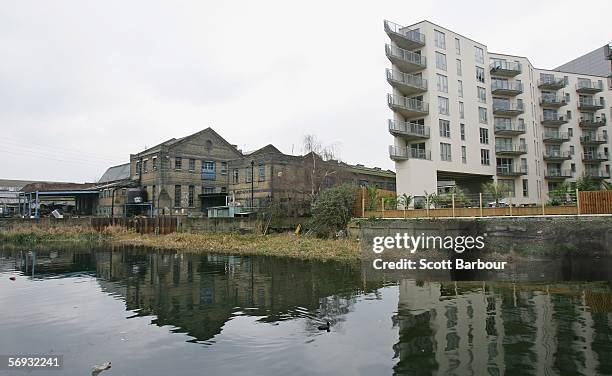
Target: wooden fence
595	202
474	212
160	225
363	202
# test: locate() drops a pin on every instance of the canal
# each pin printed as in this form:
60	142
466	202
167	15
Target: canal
166	313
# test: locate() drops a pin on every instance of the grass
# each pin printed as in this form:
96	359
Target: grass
285	245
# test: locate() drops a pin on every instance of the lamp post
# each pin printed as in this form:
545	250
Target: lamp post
252	182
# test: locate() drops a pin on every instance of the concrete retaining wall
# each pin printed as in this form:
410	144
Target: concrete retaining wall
8	224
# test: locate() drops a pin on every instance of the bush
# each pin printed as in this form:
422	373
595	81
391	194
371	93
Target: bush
332	210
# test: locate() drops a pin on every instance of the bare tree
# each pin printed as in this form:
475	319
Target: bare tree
313	146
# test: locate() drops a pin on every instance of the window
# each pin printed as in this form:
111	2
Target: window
457	46
178	163
177	196
192	165
461	110
208	190
567	97
191	195
223	168
482	115
570	132
262	172
484	157
484	136
235	176
572	150
138	166
480	74
443	105
154	163
459	70
444	128
145	165
479	55
573	167
209	170
462	130
248	176
442	83
445	151
440	39
482	94
507	185
460	88
440	61
463	155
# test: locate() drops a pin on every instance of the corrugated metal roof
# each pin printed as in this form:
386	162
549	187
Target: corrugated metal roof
116	173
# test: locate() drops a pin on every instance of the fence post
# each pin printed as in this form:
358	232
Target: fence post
578	201
480	199
453	203
362	203
543	210
510	201
427	205
382	201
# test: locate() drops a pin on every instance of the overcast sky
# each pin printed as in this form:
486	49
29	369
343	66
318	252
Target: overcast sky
85	83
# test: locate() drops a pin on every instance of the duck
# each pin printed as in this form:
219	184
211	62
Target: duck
96	370
324	327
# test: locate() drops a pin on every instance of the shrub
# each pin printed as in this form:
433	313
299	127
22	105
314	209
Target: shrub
332	210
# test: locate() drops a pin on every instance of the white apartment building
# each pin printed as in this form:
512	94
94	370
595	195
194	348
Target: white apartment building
465	116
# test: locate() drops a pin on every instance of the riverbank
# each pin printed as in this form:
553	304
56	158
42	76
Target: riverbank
284	245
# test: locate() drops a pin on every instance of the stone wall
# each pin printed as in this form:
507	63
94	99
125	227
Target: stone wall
9	224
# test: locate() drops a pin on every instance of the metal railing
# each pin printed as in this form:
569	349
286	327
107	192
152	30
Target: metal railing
553	117
407	79
557	154
552	82
601	174
408	103
509	126
404	32
588	84
507	106
595	157
511	148
506	65
511	170
405	55
398	152
507	85
590	103
558	173
555	136
408	128
594	138
552	100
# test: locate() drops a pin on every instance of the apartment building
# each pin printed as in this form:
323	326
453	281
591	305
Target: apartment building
463	116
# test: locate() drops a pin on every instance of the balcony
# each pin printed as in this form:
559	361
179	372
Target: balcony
557	174
552	101
507	88
594	157
407	107
505	68
404	37
507	109
405	60
592	122
552	83
597	175
398	153
511	170
557	156
509	129
555	119
510	149
593	139
589	87
589	105
408	130
407	84
555	137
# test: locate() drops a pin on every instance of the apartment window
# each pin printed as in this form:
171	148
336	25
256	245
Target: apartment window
460	88
525	188
138	166
262	172
445	151
573	167
191	195
482	94
223	168
235	175
462	130
442	83
208	190
192	165
440	39
178	163
507	185
248	176
484	157
572	150
482	115
463	155
145	165
484	136
459	70
567	97
154	163
443	106
480	74
209	170
177	196
569	115
440	61
461	110
570	132
457	46
479	55
444	128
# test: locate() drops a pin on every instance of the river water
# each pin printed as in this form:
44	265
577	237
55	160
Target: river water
163	313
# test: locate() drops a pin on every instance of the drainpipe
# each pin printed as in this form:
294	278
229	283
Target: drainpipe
252	182
113	204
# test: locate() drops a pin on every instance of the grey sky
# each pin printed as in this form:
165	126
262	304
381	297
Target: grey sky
84	84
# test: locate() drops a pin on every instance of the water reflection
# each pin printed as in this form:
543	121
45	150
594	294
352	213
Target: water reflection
434	328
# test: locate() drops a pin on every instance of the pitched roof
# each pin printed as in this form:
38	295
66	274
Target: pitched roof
176	141
33	187
115	173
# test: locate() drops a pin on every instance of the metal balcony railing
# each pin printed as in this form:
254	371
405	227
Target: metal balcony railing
596	139
404	153
589	85
519	149
411	104
407	79
597	174
598	157
408	128
552	83
557	154
405	55
505	66
555	136
590	103
558	173
395	30
507	86
592	121
511	170
509	127
552	100
503	106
